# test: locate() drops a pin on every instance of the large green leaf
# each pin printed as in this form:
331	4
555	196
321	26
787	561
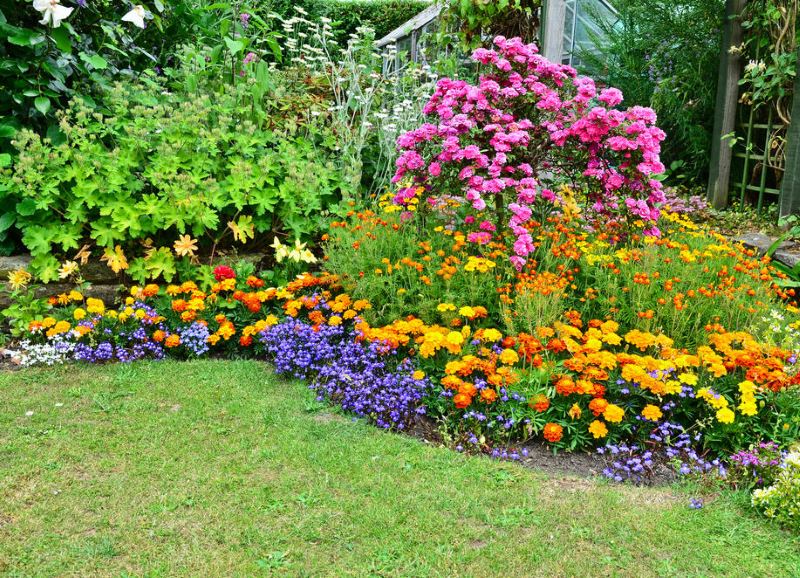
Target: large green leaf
94	60
42	104
6	220
62	38
26	207
235	46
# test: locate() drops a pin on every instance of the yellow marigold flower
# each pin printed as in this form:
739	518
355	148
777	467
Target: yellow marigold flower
652	412
491	335
466	311
129	301
598	429
48	322
79	314
455	338
95	306
688	378
75	295
271	320
575	411
58	328
418	375
614	413
361	304
748	408
746	387
725	415
212	339
479	264
335	320
442	307
140	314
509	357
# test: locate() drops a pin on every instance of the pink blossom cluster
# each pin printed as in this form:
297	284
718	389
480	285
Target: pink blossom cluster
528	127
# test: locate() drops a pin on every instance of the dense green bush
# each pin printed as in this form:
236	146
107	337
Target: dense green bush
154	165
383	16
43	65
665	54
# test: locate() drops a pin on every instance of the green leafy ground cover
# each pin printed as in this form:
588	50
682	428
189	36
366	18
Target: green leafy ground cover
221	469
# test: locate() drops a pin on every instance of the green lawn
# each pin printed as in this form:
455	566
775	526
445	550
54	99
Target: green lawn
220	469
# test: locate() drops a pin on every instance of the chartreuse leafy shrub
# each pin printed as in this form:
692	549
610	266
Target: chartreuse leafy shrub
158	174
781	500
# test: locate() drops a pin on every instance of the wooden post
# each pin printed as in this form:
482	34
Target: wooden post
725	109
554	13
790	186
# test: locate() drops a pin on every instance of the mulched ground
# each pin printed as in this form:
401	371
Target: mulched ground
541	457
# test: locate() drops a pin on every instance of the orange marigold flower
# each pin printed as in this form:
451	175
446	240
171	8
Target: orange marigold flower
173	340
565	386
553	432
598	405
488	395
246	340
539	402
159	336
462	400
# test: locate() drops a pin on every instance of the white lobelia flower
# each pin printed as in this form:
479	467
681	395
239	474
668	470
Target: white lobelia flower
52	12
136	16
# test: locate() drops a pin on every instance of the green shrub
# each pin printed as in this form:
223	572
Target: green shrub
383	16
42	66
154	165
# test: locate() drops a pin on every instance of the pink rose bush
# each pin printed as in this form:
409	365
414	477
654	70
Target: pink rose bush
529	128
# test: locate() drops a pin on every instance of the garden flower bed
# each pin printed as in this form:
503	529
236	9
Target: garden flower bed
524	281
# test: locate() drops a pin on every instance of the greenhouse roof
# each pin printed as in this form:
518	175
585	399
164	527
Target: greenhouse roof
428	15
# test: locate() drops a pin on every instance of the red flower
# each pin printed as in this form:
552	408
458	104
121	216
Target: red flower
223	272
246	340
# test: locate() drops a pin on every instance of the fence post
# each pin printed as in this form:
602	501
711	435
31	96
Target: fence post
725	109
790	185
552	29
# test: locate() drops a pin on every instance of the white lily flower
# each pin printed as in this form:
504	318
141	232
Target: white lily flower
52	12
136	16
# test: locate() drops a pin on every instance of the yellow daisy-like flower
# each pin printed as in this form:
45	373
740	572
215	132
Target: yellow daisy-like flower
67	269
185	246
19	279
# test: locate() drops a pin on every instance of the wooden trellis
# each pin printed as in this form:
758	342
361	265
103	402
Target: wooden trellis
754	154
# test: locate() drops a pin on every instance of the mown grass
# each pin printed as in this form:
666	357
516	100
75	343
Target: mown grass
221	469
